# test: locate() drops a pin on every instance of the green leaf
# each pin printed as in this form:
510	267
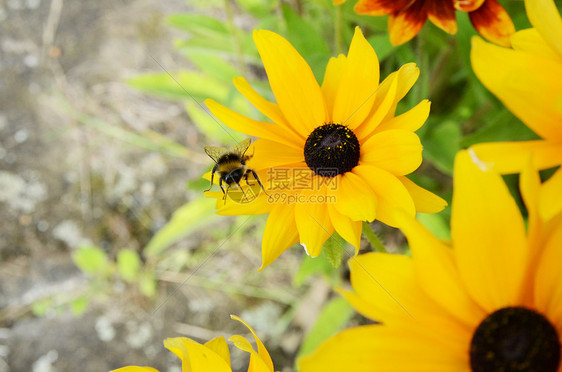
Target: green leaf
441	145
147	284
187	219
333	249
40	308
382	46
181	85
199	25
502	126
214	66
311	266
334	316
79	305
128	264
436	223
310	44
210	126
92	260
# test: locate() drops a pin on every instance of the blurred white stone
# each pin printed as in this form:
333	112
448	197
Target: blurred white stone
70	233
139	334
104	329
45	363
33	4
20	195
42	225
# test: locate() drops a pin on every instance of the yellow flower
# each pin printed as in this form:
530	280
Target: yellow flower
335	154
213	355
489	301
528	80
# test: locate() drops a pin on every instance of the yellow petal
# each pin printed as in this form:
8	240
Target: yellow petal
331	82
280	233
262	354
358	84
314	225
380	348
529	85
268	154
411	120
403	79
396	151
388	284
238	206
292	81
550	199
529	184
219	346
240	123
437	273
196	357
135	369
488	234
425	201
548	285
531	41
348	229
269	109
544	16
355	199
391	193
256	363
511	157
381	109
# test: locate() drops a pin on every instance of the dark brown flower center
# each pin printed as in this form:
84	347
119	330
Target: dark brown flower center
515	339
331	149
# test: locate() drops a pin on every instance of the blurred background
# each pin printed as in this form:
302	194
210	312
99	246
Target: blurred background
107	245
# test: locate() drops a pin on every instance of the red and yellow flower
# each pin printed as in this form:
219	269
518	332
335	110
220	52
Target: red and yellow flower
407	17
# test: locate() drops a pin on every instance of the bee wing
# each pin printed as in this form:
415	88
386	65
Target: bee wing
215	152
241	147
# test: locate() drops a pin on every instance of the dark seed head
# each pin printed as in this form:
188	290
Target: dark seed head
331	149
515	339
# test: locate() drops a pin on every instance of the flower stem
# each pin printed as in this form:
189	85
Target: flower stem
338	30
236	36
372	238
422	59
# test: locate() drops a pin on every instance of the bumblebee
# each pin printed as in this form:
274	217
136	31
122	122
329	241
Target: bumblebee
231	166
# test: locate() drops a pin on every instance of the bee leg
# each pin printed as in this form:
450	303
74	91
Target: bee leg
258	179
224	192
212	176
246	177
243	193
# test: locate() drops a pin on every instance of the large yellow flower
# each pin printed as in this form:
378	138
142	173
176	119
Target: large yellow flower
213	355
528	80
490	301
336	154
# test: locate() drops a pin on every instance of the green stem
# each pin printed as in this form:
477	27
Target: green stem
421	57
337	30
236	36
373	238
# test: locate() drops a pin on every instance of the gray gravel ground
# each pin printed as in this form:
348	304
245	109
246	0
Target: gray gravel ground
63	183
